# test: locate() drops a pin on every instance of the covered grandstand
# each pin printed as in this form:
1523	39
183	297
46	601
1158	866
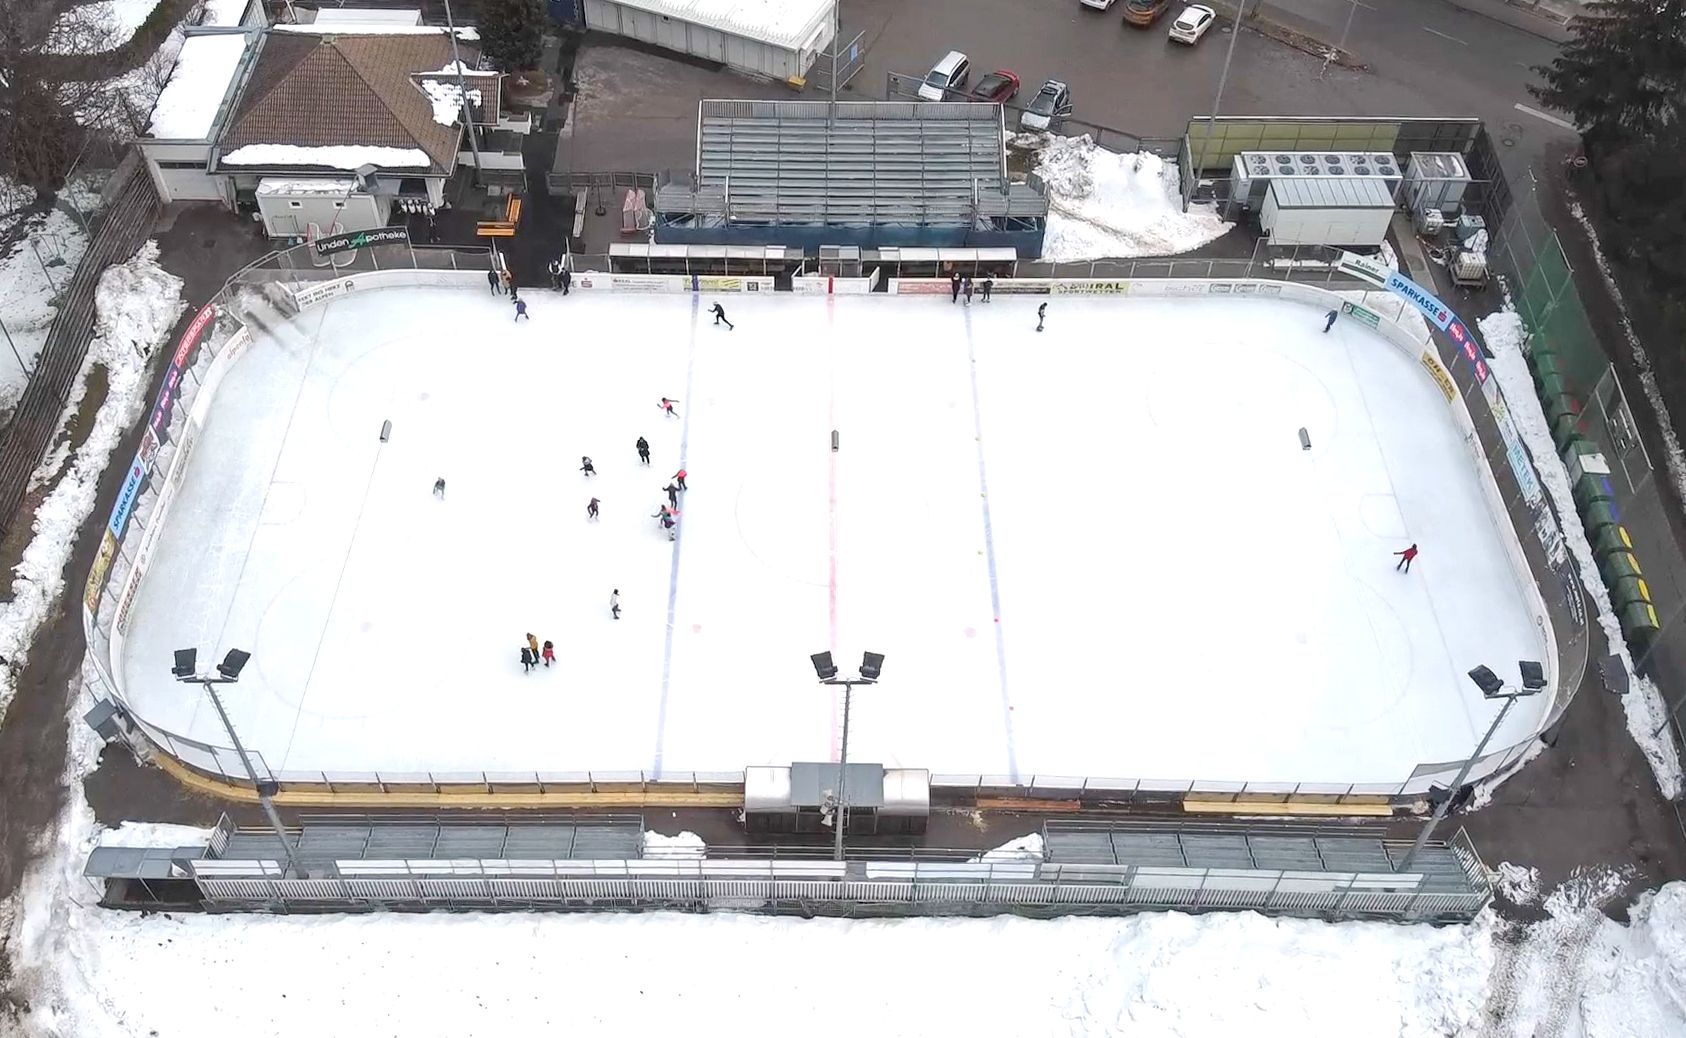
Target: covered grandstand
873	174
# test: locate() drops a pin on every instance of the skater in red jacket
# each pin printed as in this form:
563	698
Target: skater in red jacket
1405	558
679	479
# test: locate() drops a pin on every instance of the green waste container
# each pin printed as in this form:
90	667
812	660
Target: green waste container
1617	565
1628	590
1597	515
1611	538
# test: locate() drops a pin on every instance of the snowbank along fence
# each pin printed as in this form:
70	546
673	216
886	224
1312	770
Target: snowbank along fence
277	287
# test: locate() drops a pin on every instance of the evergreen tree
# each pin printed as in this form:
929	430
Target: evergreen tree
512	33
1622	75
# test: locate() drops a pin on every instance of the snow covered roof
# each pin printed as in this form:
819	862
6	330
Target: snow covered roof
337	156
375	29
187	107
340	101
367	16
330	186
788	23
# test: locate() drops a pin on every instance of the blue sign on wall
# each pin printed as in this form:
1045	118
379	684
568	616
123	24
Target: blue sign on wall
1421	298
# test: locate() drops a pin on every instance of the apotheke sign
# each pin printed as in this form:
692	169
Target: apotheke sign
361	239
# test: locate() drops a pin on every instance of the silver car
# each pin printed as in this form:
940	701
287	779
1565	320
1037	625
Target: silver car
1048	108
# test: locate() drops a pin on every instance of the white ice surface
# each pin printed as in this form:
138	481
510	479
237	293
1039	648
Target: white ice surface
338	156
188	104
1184	592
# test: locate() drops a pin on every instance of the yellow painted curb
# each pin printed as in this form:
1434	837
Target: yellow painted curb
329	798
1307	808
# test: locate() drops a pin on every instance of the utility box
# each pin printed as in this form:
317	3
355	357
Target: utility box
1436	180
1343	211
801	798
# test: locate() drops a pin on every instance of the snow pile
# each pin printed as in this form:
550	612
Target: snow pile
1518	884
226	13
138	302
1641	361
1635	980
31	274
338	156
1505	337
686	845
153	834
187	107
447	98
105	25
1025	848
1104	204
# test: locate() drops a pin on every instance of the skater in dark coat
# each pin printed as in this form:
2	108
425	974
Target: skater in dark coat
554	267
494	282
587	467
591	509
439	488
679	477
667	407
985	286
966	288
1405	558
643	450
526	661
672	494
954	287
521	309
567	280
615	603
1041	313
549	652
1329	320
719	313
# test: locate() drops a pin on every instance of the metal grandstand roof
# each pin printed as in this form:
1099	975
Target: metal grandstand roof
607	837
871	162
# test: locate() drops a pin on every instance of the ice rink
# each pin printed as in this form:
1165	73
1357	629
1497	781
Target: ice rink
1095	551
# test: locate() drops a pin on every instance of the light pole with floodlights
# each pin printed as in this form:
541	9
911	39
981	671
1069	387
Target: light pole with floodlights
1533	681
872	664
228	672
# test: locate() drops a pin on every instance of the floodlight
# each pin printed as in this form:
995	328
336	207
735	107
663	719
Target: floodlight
871	664
1533	675
823	665
187	662
233	663
1487	681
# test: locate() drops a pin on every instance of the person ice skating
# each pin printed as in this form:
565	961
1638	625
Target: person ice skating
521	309
555	269
966	288
591	509
679	477
533	646
549	652
615	603
954	287
672	494
1405	558
439	488
643	446
506	280
567	280
587	467
1041	314
986	286
527	660
719	313
1329	320
494	282
667	407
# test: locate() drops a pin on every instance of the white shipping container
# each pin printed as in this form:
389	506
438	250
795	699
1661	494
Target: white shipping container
1327	211
778	39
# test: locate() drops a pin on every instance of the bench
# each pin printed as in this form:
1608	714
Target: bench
504	228
579	213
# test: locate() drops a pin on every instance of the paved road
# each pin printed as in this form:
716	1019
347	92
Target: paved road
1426	58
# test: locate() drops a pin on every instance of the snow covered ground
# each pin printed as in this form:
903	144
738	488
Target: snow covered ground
31	275
138	302
107	23
1095	551
1105	204
1643	705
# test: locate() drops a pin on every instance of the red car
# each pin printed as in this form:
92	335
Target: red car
999	86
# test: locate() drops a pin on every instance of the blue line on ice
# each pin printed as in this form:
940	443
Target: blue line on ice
678	540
